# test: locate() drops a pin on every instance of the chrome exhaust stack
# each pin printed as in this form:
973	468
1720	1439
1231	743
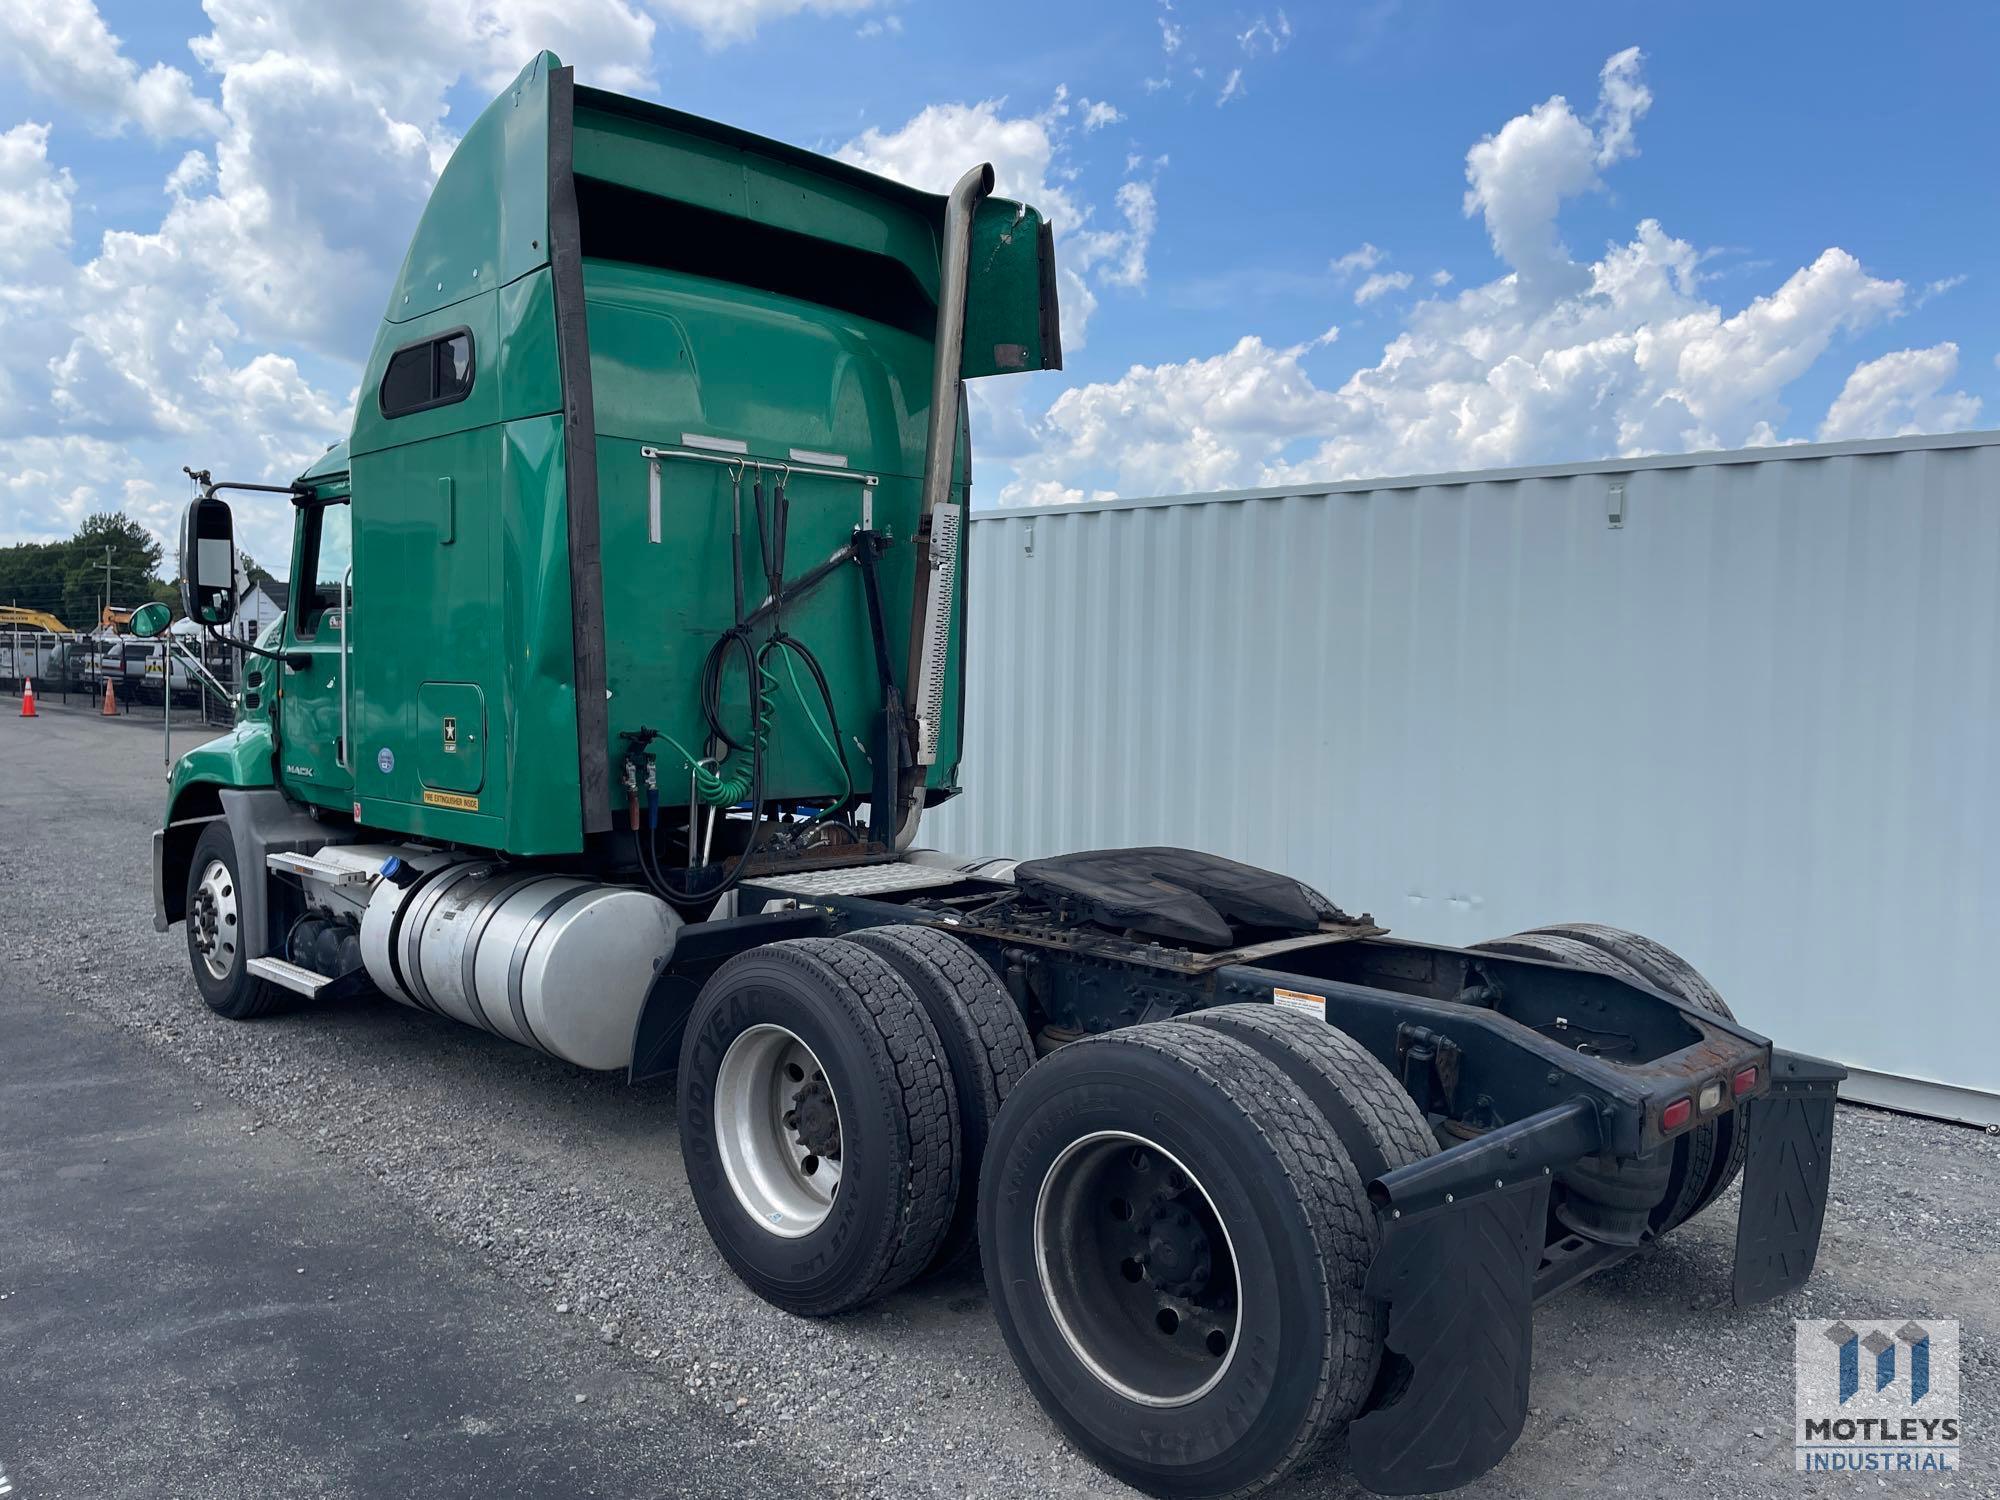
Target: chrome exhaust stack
938	519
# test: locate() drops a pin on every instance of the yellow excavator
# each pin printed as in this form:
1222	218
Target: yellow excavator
12	615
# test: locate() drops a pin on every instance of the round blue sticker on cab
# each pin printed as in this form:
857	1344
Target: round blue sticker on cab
385	760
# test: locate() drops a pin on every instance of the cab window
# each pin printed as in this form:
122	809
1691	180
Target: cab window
324	557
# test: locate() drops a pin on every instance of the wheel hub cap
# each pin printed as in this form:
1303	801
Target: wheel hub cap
212	918
1137	1269
777	1130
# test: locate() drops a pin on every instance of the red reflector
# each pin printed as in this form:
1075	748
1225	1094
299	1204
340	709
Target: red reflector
1745	1081
1677	1114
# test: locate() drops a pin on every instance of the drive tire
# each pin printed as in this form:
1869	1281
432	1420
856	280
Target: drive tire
1667	970
1208	1112
986	1047
1378	1123
222	973
897	1123
1674	1178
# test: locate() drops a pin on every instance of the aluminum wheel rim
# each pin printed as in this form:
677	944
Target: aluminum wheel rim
776	1162
215	919
1114	1203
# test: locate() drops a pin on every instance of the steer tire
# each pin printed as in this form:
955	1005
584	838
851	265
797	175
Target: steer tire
1272	1345
235	992
986	1045
895	1116
1667	970
1666	1184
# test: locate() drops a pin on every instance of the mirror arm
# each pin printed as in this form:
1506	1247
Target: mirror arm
296	661
209	485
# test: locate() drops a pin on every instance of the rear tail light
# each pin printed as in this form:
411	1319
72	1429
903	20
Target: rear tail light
1744	1082
1677	1114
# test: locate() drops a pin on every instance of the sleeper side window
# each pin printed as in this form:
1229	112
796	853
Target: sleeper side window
436	372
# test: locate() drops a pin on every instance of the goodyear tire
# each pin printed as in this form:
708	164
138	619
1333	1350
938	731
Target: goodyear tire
1175	1243
1667	970
1378	1123
986	1047
217	951
1630	1198
818	1124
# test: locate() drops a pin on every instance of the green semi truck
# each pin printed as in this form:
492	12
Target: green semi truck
625	652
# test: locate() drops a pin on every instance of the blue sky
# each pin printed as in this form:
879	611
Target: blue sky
200	209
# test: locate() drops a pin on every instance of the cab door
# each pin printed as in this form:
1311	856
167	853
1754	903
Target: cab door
313	754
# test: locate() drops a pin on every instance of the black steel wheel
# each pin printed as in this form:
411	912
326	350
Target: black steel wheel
986	1045
1667	970
1175	1244
818	1124
217	948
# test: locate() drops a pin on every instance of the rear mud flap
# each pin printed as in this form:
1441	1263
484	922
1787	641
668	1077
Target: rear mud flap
1460	1283
1785	1173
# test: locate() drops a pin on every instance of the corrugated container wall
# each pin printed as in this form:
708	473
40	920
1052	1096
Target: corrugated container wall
1752	716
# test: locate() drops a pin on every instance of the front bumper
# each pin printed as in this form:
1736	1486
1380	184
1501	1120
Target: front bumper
1463	1261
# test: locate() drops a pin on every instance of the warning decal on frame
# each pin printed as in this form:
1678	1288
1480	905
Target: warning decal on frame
451	799
1312	1005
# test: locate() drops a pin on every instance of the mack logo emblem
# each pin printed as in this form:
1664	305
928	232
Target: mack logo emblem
451	799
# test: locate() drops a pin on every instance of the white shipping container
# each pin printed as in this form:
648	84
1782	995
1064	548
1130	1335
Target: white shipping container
1742	702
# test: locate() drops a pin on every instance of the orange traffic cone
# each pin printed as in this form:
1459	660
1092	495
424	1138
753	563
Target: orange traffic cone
110	707
28	701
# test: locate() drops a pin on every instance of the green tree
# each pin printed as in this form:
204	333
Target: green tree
31	575
114	541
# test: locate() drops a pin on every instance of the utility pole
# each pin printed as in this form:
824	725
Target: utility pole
101	619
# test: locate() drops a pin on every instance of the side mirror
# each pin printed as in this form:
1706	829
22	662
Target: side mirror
208	562
149	620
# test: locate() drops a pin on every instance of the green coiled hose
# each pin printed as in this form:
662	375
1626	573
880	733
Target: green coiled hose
729	783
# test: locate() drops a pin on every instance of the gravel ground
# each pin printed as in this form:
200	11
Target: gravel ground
569	1187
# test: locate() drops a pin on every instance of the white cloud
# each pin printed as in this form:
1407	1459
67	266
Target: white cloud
1232	88
1364	257
1622	98
64	50
34	202
889	25
1551	360
1440	277
1268	37
1380	285
1171	37
933	149
1521	174
1098	113
1939	287
1901	393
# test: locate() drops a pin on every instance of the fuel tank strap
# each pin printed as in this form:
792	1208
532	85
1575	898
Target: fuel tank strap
523	945
496	897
